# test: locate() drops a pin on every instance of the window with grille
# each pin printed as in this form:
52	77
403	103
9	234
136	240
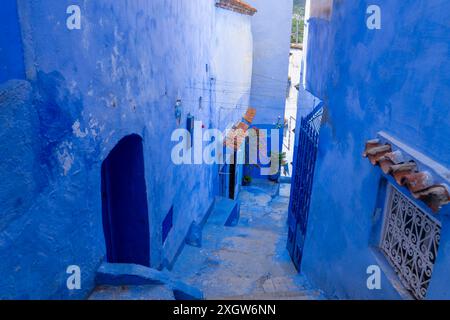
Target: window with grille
410	242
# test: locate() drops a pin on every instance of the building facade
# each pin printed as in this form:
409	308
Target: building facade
270	59
82	88
385	90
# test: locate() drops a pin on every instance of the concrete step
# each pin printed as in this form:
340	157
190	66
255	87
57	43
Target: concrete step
145	292
111	278
265	296
226	212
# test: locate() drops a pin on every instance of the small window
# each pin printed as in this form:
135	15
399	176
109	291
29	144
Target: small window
167	225
410	242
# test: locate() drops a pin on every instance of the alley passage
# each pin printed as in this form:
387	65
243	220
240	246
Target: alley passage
248	261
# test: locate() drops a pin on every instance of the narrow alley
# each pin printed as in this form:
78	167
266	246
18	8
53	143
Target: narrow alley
224	150
248	261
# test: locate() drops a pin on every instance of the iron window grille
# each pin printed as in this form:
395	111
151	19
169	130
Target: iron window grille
410	242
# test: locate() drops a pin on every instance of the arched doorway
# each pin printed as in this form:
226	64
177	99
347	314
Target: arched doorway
124	204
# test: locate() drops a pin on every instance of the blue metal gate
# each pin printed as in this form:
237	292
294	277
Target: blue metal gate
305	156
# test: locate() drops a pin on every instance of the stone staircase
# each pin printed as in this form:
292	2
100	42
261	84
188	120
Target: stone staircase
135	282
246	260
237	253
126	292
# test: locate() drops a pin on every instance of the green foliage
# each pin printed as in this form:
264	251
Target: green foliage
299	11
301	29
299	7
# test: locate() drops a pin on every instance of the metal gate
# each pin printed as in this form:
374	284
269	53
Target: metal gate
305	155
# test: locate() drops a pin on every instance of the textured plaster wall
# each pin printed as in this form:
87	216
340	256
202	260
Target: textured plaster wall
396	80
120	74
231	64
271	27
315	73
11	53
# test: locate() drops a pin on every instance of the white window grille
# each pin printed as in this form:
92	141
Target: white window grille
410	242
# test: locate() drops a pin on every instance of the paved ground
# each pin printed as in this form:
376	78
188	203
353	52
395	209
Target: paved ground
149	292
248	261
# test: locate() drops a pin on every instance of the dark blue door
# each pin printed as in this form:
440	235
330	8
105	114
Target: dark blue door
124	201
305	156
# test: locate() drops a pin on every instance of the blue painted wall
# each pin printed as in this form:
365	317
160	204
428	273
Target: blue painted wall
396	80
231	65
11	51
316	73
231	68
271	33
120	74
254	170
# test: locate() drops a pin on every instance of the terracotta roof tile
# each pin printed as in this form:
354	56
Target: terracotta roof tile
420	183
250	115
236	6
396	157
385	165
390	159
242	126
402	167
236	136
399	176
235	139
376	152
435	197
370	145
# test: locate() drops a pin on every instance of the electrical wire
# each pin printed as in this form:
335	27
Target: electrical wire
238	105
223	91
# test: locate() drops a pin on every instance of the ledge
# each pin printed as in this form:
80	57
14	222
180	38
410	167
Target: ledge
426	179
236	6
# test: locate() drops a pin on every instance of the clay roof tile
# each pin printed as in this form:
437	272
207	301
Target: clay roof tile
376	153
400	171
370	145
390	159
236	6
435	197
242	126
236	136
420	183
250	115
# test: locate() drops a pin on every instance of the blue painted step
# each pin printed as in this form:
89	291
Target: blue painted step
147	292
224	212
119	275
